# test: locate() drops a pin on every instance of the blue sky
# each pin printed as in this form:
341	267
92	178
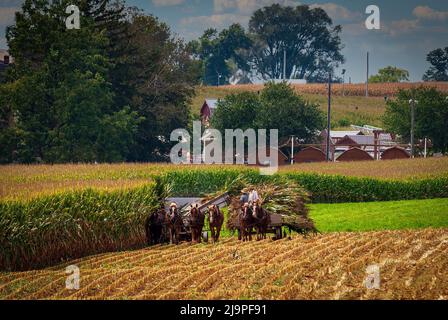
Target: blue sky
409	28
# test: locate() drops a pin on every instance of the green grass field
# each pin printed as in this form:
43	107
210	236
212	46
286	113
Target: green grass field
372	216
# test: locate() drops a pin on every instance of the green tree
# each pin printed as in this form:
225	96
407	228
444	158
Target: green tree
439	65
276	107
217	51
164	76
60	92
311	42
431	116
390	74
110	91
283	109
236	111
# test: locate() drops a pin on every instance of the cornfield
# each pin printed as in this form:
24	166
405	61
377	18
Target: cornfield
51	228
411	265
358	89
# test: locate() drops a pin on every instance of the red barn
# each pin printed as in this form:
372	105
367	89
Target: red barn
309	154
207	109
354	154
395	153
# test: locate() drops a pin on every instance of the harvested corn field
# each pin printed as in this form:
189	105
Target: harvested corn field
412	265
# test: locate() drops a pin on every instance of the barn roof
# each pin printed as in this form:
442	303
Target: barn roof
342	134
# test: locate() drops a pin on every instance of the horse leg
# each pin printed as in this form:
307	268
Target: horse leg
218	232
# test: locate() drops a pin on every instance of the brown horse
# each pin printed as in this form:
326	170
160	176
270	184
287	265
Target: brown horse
246	223
154	226
173	221
262	220
196	223
215	220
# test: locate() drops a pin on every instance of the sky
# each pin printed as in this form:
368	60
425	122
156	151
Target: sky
409	28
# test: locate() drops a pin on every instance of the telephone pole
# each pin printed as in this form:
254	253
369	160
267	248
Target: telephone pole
328	118
367	78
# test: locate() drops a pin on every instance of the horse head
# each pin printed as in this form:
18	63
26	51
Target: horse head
257	210
246	212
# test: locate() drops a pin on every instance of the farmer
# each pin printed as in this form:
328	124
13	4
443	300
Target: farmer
253	196
244	198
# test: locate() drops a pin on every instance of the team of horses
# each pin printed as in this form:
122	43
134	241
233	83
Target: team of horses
166	225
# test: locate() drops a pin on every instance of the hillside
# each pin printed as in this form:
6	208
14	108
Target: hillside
353	108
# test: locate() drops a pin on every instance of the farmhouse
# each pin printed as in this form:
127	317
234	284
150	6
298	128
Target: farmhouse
207	109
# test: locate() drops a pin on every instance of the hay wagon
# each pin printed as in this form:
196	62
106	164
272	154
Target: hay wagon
184	205
275	226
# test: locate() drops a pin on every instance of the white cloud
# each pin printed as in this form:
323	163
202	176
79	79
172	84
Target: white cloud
399	27
215	21
427	13
248	6
167	3
337	12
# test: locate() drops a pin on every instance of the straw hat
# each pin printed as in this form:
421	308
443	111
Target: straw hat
173	204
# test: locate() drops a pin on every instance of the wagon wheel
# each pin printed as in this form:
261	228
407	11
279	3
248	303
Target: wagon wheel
278	233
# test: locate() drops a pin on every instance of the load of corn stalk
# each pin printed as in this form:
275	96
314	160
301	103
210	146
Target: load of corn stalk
279	196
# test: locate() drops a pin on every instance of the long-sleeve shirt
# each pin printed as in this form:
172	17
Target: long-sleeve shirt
253	196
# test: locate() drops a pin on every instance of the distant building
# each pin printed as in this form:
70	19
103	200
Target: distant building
354	154
5	61
309	154
207	110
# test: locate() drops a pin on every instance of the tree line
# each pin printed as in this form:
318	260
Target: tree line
116	88
111	91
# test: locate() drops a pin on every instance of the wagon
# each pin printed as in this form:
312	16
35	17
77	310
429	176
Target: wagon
275	226
184	203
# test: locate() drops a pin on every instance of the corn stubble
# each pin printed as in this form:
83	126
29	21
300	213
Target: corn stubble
413	265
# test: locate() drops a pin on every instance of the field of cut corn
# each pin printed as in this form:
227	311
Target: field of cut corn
412	265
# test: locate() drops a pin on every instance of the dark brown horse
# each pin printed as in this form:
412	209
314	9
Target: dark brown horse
154	226
196	223
246	223
215	220
173	221
262	220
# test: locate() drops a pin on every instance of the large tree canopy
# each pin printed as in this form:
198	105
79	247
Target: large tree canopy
276	107
111	91
431	116
439	65
218	51
390	74
311	42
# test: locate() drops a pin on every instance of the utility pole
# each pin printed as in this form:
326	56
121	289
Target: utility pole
412	102
284	64
328	117
367	79
292	149
343	82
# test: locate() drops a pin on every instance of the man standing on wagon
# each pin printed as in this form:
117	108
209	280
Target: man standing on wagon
253	196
